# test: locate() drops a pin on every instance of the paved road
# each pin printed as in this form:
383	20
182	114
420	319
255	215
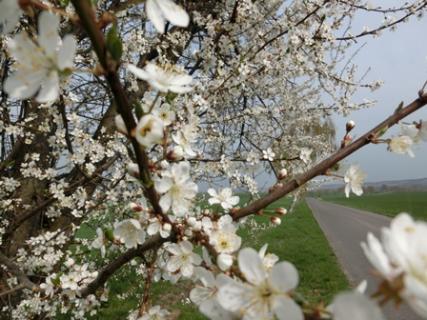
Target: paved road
345	228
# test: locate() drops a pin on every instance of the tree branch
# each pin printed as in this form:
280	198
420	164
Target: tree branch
15	270
323	166
124	108
113	266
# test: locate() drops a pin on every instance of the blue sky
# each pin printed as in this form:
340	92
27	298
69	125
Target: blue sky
398	58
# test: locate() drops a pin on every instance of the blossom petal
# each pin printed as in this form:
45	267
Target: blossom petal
48	37
20	86
186	246
233	296
174	264
174	13
224	261
66	52
284	277
163	185
49	89
355	306
251	266
155	15
187	270
286	309
139	73
165	202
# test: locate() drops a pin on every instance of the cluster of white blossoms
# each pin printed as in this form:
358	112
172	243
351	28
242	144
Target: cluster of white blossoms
400	259
208	105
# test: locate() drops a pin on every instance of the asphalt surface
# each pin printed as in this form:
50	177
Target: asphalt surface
345	228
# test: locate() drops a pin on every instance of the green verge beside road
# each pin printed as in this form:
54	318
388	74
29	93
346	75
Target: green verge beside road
298	240
389	204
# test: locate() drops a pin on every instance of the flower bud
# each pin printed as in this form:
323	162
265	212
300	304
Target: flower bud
350	125
276	220
133	170
175	153
281	211
195	224
283	173
136	207
120	125
167	227
346	141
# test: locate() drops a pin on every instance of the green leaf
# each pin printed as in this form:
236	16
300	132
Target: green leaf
114	43
139	110
64	3
109	234
56	281
170	97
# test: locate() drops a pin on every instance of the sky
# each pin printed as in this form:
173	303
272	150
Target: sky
399	58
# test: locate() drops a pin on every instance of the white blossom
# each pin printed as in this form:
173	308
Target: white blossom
161	79
165	113
129	232
354	178
225	241
268	154
176	188
402	253
38	66
160	11
183	258
252	158
99	242
265	294
185	137
205	295
149	130
401	145
305	155
225	198
156	226
411	131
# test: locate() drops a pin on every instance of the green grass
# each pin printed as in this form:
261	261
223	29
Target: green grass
298	239
389	204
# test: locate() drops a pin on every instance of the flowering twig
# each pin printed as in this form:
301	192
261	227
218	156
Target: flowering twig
323	166
88	20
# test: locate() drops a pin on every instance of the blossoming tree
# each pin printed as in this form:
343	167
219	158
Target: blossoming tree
113	112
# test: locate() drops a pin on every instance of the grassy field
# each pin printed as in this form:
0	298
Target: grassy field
389	204
298	239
